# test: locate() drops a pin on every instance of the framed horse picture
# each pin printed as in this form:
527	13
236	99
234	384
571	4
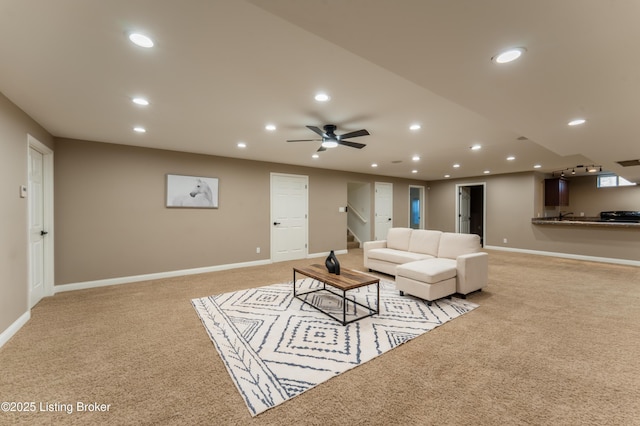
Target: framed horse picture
192	192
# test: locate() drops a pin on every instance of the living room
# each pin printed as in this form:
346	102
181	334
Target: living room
111	226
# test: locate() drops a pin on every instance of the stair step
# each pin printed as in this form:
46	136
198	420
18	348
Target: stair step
351	241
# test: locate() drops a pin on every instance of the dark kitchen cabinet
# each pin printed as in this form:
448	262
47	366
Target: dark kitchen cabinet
556	192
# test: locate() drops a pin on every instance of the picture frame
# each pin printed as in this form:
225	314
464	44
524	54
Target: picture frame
185	191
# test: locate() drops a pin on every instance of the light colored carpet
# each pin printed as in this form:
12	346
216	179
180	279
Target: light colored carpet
555	342
275	346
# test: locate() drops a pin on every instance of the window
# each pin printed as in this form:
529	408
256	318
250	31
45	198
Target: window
608	181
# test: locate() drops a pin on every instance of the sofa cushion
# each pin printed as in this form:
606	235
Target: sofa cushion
398	238
453	245
425	241
428	271
395	256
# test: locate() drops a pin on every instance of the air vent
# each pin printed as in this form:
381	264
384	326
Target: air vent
629	163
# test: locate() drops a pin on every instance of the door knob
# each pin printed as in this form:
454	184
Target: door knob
43	233
276	223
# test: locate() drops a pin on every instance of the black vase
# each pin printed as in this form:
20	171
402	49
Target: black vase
332	264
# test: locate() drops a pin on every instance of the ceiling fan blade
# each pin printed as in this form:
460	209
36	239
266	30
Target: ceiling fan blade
352	144
355	134
317	130
303	140
322	148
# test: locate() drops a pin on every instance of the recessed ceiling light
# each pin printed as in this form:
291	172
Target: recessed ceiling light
270	127
537	166
415	127
455	166
322	97
577	122
476	147
447	176
140	101
315	156
374	165
242	145
511	158
486	172
414	171
509	55
416	158
141	40
139	129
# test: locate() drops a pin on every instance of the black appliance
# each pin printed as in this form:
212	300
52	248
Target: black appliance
620	216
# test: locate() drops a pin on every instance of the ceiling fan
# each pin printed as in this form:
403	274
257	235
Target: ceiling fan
331	140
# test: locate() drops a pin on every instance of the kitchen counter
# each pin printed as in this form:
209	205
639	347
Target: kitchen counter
583	221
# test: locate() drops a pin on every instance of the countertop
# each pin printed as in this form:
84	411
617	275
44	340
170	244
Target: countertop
583	221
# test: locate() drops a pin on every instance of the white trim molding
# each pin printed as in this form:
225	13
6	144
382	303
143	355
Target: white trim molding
170	274
568	256
155	276
14	328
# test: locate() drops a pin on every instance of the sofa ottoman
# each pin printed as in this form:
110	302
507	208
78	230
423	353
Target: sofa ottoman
429	279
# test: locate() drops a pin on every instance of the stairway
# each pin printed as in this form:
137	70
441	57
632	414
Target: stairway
351	241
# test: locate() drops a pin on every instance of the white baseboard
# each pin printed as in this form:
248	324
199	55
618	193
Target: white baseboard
568	256
154	276
13	328
324	254
170	274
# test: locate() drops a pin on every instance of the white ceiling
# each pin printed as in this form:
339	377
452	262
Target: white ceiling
221	70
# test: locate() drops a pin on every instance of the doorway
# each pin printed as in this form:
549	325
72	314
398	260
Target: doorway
289	213
471	209
40	220
416	207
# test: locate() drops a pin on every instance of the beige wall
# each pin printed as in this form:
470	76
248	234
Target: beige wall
512	200
14	127
111	221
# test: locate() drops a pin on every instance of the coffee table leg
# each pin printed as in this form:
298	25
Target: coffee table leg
344	307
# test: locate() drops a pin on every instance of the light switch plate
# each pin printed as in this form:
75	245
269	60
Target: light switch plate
23	191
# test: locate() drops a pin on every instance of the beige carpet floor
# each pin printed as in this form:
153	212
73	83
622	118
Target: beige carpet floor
554	342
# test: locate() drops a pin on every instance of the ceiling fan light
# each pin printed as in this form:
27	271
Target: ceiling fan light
329	144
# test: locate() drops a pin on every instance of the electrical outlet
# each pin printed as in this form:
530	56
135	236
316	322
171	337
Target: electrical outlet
504	240
258	250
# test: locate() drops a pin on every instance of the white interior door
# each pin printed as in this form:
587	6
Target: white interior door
36	227
383	209
289	212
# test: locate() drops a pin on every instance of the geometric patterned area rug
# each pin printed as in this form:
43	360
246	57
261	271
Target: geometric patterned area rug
276	347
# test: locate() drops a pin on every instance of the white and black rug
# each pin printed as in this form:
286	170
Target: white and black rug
276	347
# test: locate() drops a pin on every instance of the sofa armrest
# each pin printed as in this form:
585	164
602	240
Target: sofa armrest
472	272
368	245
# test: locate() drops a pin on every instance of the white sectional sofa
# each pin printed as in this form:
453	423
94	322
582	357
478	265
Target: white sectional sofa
429	264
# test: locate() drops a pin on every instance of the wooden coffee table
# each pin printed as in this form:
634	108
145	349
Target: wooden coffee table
347	280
